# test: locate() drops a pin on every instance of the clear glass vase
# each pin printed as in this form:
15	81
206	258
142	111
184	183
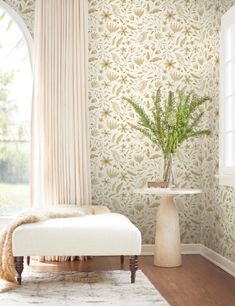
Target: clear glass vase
168	176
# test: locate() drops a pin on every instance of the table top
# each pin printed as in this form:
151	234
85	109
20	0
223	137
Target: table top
167	191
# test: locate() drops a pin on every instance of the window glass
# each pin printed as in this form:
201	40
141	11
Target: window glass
230	149
229	113
230	42
15	113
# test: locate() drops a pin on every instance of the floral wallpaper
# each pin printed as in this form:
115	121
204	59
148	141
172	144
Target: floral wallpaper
136	46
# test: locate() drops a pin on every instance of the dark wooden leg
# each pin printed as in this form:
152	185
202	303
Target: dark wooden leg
133	267
28	260
19	266
122	260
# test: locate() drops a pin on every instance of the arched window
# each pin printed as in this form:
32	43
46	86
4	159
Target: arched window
15	111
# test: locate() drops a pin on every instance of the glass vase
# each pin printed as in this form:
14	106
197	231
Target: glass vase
168	176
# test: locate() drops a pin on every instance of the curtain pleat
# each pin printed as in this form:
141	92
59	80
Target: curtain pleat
60	128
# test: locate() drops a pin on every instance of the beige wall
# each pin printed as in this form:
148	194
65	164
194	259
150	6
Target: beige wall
135	46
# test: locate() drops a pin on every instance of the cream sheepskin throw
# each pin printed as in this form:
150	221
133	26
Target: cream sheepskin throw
7	268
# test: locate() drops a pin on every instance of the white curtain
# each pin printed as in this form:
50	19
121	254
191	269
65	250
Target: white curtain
60	129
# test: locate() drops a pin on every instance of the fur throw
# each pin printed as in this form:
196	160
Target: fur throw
7	268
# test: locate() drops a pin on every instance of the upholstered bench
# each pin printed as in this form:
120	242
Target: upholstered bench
105	234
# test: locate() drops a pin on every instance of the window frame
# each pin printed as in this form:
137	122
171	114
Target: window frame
226	173
20	22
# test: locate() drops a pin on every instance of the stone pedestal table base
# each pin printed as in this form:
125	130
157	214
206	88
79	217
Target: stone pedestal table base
167	240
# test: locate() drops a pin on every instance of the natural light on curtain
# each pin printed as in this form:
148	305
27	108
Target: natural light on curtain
60	140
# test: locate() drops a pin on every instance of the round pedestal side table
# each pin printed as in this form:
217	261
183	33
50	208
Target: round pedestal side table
167	251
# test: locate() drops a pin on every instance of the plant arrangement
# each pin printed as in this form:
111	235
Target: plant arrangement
172	121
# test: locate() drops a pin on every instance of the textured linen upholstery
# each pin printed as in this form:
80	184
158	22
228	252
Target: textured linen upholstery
97	234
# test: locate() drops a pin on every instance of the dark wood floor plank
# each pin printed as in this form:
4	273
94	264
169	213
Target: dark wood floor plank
197	282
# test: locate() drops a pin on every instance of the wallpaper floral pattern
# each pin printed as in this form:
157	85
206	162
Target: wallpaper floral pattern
134	47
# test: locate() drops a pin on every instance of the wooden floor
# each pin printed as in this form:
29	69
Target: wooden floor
197	283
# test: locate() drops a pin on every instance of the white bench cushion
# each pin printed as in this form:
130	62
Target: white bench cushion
103	234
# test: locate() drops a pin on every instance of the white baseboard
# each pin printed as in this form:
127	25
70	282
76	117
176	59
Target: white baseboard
187	248
219	260
147	249
198	248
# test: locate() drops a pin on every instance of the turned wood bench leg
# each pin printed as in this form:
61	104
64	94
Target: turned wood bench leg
19	266
122	259
28	260
133	267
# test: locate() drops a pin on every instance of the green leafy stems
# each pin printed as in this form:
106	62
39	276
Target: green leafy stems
173	120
